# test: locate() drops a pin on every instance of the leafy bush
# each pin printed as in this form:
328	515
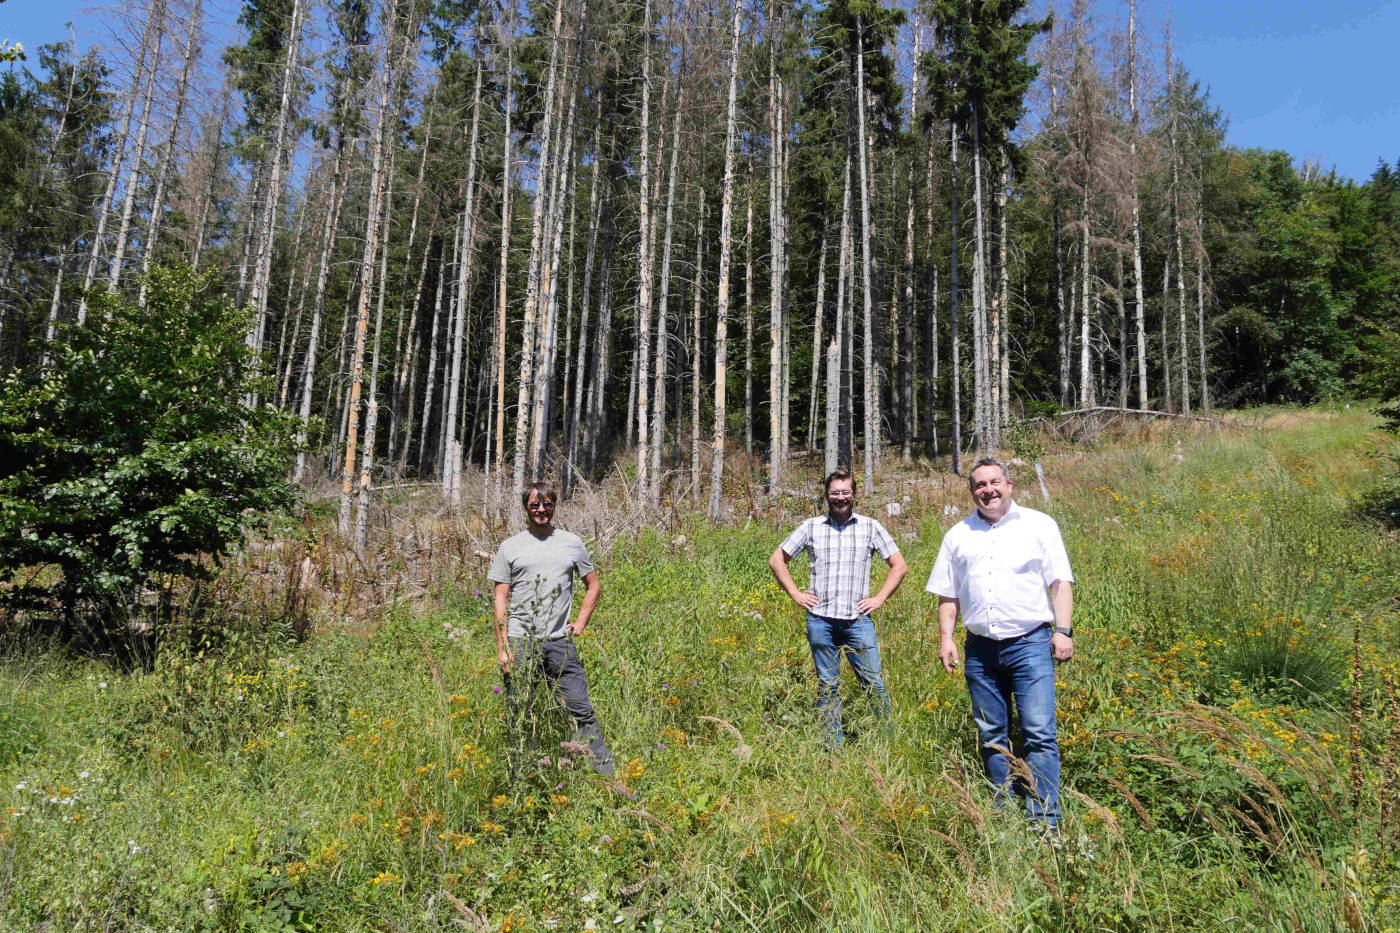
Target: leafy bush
134	454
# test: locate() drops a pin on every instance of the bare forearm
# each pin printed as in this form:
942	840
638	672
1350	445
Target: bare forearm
1062	600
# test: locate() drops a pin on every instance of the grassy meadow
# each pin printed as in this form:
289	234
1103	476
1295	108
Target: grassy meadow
1229	727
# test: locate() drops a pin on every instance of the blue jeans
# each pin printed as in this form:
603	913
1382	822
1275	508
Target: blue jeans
1021	667
830	638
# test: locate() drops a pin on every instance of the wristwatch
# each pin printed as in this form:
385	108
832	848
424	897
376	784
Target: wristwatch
1067	632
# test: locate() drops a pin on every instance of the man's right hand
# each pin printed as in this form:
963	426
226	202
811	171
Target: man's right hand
505	658
948	653
807	600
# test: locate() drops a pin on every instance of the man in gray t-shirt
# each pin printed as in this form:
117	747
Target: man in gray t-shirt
533	574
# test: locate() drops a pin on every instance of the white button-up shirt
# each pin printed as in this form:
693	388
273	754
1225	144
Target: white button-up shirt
999	574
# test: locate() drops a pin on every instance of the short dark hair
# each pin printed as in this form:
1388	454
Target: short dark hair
986	462
839	473
545	490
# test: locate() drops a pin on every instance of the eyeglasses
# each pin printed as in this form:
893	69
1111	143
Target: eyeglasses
541	506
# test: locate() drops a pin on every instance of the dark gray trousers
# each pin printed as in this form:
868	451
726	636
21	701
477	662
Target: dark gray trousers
555	660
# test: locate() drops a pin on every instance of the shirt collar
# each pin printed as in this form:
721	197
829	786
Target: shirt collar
1013	511
850	521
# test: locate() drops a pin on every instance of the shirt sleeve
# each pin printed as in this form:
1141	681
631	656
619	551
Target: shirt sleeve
582	562
1055	565
500	567
940	581
883	543
797	542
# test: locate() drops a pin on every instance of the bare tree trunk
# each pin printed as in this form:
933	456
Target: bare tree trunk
955	392
430	384
726	220
658	422
814	387
461	339
1003	323
529	324
775	307
262	267
206	201
872	427
570	469
1201	329
906	373
168	153
507	176
372	400
1122	334
644	276
981	370
114	269
1166	354
366	288
1086	379
328	236
1139	301
838	343
118	160
931	322
695	490
748	316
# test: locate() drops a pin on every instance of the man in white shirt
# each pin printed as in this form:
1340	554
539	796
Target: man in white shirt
1004	568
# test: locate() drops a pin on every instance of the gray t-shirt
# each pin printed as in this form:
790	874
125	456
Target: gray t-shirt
540	572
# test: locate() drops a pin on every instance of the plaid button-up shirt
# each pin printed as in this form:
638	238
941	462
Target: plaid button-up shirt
840	560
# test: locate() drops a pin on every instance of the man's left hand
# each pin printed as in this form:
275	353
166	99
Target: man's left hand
869	604
576	628
1062	646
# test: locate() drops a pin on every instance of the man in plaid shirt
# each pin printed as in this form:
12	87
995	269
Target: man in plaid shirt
839	603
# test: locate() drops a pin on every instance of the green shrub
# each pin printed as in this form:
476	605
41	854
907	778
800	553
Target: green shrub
134	455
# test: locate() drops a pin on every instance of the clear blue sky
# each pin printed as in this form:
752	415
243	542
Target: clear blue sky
1311	77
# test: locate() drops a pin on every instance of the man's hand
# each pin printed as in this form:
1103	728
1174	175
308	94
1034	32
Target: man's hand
807	600
948	654
869	604
576	627
1061	646
505	658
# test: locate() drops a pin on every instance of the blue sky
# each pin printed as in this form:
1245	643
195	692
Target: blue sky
1315	79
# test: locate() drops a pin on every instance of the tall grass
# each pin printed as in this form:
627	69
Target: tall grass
354	779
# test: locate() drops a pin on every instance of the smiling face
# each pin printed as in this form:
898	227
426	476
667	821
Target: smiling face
991	490
539	510
841	498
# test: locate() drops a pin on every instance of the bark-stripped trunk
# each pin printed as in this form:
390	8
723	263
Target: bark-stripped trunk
529	325
658	417
328	235
114	268
748	316
167	157
1139	300
775	309
507	177
594	223
955	391
452	466
366	288
813	386
981	373
1086	377
838	418
644	274
906	371
262	267
695	490
726	221
872	427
